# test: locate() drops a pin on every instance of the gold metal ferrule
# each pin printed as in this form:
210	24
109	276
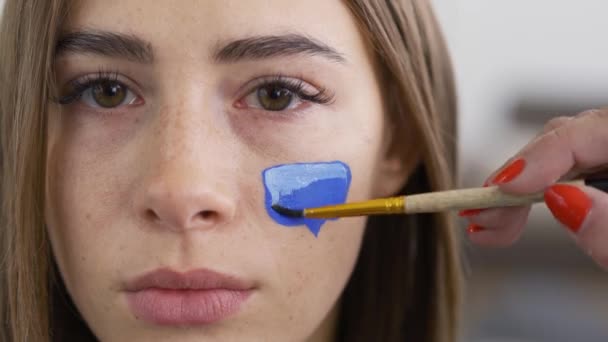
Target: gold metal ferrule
382	206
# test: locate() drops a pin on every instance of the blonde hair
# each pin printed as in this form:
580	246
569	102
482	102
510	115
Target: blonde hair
410	263
27	34
407	277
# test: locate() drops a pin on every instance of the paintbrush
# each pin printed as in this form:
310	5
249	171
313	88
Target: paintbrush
461	199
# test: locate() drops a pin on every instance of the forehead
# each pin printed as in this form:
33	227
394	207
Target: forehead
191	27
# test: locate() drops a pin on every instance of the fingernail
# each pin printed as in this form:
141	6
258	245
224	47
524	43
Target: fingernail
469	212
568	204
475	228
510	172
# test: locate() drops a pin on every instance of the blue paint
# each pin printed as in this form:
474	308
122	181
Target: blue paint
305	185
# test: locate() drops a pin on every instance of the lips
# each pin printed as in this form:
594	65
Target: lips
201	296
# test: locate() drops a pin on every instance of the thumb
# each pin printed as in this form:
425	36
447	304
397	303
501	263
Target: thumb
584	211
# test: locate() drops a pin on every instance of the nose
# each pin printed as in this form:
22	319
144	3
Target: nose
186	180
180	205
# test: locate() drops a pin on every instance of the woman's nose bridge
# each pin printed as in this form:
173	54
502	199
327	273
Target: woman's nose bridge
191	163
187	121
190	125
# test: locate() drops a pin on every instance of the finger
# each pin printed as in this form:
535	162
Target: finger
558	122
555	123
549	126
560	148
499	227
576	144
584	211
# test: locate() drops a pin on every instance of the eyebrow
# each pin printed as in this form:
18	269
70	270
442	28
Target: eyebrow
260	47
131	47
105	43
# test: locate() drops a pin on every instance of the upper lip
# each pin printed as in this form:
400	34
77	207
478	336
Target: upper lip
198	279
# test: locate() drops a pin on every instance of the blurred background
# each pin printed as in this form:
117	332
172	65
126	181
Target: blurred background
519	63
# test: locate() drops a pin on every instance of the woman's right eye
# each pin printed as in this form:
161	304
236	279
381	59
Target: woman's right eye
103	94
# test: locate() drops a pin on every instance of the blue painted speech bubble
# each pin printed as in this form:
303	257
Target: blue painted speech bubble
305	185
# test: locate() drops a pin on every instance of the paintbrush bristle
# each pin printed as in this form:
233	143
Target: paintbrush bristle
287	211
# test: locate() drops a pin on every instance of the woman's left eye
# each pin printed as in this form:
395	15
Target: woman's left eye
283	94
272	97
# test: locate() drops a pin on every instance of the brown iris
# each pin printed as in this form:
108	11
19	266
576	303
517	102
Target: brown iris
109	94
274	97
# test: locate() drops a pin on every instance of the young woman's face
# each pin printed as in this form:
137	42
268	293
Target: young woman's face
155	201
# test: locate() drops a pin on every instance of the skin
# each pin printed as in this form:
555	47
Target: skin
126	186
566	147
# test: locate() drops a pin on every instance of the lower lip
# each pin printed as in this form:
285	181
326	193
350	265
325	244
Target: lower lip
186	307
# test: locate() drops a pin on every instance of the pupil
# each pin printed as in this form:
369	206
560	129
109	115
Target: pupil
111	89
277	93
274	97
109	94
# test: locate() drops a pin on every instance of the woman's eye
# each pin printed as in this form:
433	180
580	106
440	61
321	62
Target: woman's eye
272	97
106	94
284	93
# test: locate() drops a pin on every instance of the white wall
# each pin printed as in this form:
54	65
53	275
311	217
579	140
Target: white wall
506	49
503	51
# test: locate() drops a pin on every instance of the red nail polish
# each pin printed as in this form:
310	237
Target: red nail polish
510	172
469	212
568	204
475	228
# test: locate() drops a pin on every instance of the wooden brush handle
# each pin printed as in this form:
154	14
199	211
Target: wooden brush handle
473	198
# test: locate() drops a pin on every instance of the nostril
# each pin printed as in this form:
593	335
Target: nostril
151	215
208	215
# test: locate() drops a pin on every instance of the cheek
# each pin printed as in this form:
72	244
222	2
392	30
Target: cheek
309	274
326	262
83	196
